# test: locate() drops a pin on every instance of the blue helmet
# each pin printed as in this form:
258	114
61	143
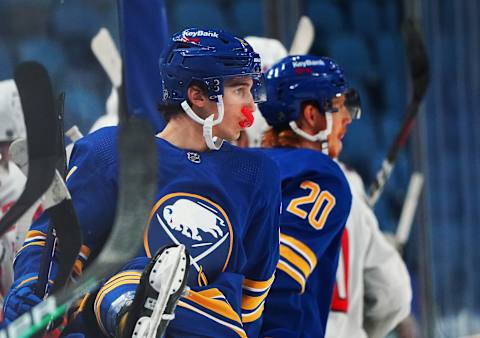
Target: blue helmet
208	56
296	79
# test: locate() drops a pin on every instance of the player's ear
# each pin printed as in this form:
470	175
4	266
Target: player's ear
310	115
312	120
197	96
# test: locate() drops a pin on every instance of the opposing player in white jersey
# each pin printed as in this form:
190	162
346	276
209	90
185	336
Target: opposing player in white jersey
12	180
372	293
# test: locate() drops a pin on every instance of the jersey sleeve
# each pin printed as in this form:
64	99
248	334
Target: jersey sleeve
315	210
387	283
261	244
92	185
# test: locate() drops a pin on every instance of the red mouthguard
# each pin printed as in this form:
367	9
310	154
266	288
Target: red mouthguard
248	113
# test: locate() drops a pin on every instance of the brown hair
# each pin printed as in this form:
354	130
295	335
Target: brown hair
273	138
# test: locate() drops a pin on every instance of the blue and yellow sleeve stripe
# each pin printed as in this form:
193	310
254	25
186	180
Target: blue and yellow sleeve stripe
33	238
212	304
253	298
114	288
81	260
297	260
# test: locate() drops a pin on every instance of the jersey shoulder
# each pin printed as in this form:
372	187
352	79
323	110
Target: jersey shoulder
307	164
96	151
253	166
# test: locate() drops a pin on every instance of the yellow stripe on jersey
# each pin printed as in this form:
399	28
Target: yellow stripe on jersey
211	293
253	316
237	330
215	305
294	274
79	264
38	243
251	303
123	278
258	286
302	249
23	282
34	233
295	259
70	173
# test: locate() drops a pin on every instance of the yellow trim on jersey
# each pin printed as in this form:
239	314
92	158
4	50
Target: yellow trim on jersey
295	259
26	281
237	330
292	273
38	243
301	248
253	316
166	197
218	306
78	267
70	173
258	286
128	277
211	293
34	233
251	302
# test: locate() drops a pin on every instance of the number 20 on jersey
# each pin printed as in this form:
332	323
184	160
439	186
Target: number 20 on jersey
323	203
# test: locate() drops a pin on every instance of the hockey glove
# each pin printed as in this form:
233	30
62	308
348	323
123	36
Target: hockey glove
20	298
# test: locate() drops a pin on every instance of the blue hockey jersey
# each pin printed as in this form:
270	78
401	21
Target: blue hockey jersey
223	205
316	202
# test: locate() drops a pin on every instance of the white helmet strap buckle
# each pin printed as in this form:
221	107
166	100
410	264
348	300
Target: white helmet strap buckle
321	136
213	142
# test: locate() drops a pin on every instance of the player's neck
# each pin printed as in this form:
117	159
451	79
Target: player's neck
184	133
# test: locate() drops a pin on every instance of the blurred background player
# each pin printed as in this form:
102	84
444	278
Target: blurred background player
221	201
308	108
372	292
12	180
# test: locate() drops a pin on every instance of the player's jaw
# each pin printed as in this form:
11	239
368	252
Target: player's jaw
341	120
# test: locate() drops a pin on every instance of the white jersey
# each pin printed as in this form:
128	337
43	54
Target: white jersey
373	293
11	186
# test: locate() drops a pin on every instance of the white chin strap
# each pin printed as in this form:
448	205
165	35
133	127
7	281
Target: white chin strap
321	136
213	142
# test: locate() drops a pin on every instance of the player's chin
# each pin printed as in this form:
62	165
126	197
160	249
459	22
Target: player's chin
232	135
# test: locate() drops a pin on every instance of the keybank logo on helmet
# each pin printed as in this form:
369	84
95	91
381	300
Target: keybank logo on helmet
308	63
200	33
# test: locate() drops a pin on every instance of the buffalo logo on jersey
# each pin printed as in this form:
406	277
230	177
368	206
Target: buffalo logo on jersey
198	223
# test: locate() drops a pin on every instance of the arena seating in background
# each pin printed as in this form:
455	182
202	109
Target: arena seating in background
365	18
248	17
6	64
192	13
46	51
351	51
328	17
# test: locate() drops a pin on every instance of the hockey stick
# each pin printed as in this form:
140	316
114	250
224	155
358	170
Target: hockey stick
137	184
304	36
64	226
104	49
408	210
107	54
420	78
39	110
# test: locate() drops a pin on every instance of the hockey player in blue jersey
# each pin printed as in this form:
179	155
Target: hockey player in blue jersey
220	201
309	107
